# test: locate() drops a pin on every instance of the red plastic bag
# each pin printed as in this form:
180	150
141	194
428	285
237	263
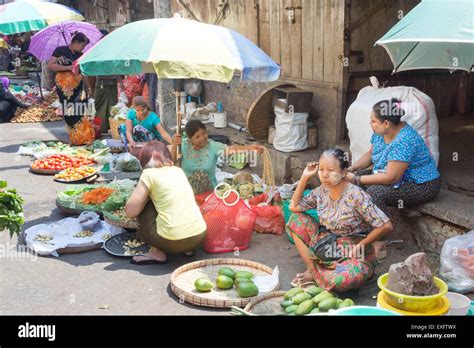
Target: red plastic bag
201	197
230	223
133	86
270	218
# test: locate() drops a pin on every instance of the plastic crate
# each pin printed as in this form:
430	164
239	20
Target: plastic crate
287	213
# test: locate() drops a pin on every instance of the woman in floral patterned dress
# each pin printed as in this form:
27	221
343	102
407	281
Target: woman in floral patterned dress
344	210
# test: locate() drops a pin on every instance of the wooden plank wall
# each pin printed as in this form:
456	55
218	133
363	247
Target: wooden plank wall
309	49
363	37
105	14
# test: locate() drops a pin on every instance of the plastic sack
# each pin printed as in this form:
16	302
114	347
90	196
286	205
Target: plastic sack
291	131
270	218
125	163
457	263
193	87
420	114
230	222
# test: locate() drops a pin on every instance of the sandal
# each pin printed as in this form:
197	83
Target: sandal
189	253
150	261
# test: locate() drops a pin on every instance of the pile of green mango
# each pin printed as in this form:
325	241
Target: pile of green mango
312	300
226	279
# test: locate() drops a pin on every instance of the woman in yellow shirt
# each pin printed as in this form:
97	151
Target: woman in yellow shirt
172	222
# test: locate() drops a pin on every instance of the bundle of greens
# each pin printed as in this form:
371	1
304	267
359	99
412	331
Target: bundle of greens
11	210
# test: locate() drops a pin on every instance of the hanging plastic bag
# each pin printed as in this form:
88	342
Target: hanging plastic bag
270	218
230	222
457	263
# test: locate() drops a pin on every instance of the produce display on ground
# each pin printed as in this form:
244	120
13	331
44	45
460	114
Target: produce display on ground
60	162
118	216
40	111
11	210
41	149
298	301
243	183
103	197
75	174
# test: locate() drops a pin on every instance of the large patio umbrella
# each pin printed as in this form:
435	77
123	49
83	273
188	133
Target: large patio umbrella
436	34
22	16
179	48
44	42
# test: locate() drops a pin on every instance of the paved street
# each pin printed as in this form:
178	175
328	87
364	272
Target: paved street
82	283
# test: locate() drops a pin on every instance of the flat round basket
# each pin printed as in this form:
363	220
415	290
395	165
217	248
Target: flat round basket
130	225
44	171
79	249
261	115
67	210
268	304
182	282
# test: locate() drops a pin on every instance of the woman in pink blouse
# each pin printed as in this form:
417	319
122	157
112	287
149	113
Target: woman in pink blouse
338	250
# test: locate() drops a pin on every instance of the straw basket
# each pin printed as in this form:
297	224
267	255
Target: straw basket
114	124
182	282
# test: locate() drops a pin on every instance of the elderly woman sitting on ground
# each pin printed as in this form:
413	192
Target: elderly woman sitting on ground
172	222
338	252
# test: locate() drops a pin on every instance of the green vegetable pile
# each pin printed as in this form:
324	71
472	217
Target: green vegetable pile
245	190
11	210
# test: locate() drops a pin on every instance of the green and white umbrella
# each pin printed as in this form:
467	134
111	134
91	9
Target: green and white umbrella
436	34
178	48
22	16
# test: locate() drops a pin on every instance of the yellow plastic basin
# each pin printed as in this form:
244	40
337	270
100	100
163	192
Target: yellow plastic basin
420	304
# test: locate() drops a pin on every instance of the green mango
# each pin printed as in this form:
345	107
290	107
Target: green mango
305	307
292	293
244	274
314	290
346	303
315	310
203	284
239	281
227	271
322	296
291	309
301	298
224	282
286	303
292	313
327	304
339	301
247	290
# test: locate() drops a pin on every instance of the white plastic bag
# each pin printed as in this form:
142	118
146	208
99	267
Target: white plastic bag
457	263
125	163
419	109
291	131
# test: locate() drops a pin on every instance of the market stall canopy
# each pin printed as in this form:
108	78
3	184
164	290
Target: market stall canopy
22	16
179	48
48	39
436	34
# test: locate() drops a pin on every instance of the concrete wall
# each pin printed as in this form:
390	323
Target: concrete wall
237	100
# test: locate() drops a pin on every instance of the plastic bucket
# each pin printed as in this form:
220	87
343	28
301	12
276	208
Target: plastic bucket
363	310
459	304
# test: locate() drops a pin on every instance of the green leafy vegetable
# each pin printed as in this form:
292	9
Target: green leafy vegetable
11	210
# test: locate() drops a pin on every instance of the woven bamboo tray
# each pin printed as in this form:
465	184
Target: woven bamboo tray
268	304
44	171
261	115
182	282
